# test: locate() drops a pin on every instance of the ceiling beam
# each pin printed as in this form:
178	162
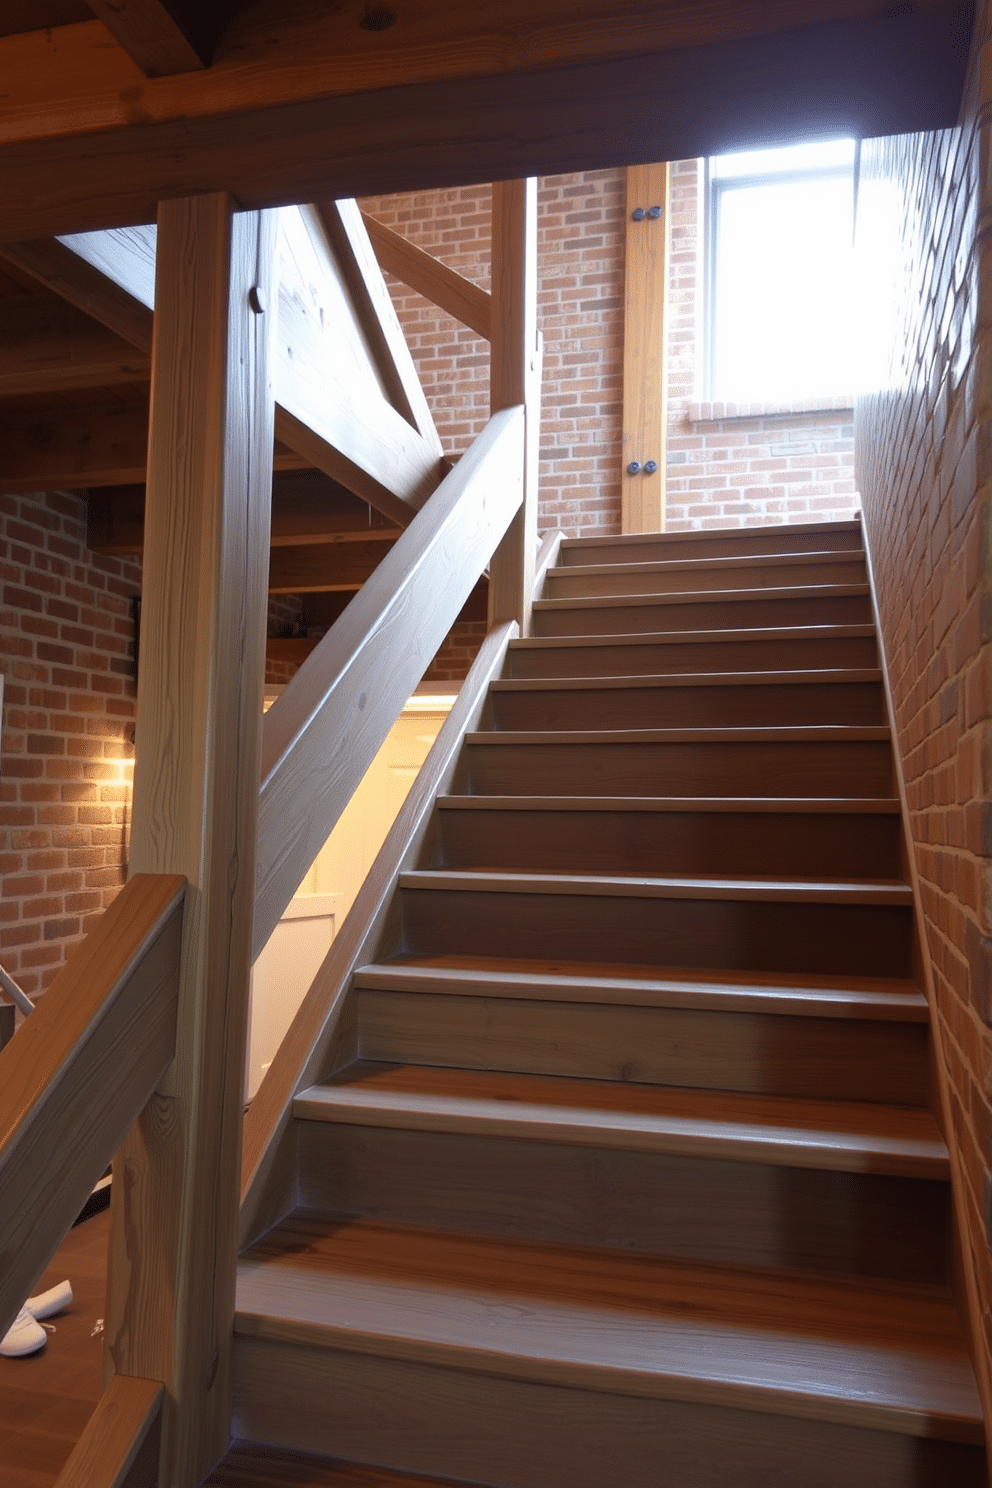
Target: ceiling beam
326	567
47	345
307	508
443	286
105	275
162	37
543	92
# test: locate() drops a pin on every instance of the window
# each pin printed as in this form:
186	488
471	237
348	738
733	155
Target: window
781	318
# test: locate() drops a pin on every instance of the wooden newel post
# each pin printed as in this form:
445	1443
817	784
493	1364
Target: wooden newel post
175	1195
515	377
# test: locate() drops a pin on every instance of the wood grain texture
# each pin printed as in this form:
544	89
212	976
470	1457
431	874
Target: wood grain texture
330	395
118	299
314	568
337	111
268	1168
835	604
786	1130
174	1212
443	286
717	542
645	343
79	1071
162	37
323	732
515	378
695	651
68	449
47	345
771	571
119	1447
621	1324
348	234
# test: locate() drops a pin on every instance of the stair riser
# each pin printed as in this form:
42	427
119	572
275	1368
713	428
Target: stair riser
830	1058
862	769
835	939
661	659
508	1433
682	1208
563	583
670	843
789	705
742	543
714	614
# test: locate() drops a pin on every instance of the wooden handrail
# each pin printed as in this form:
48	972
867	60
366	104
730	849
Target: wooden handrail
79	1071
323	732
444	287
268	1169
120	1442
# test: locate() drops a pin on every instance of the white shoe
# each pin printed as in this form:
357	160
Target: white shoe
24	1336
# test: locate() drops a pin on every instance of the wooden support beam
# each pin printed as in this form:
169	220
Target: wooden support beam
322	109
348	236
48	346
645	362
330	400
78	1072
162	37
515	377
108	276
444	287
70	449
119	1447
325	567
307	507
173	1215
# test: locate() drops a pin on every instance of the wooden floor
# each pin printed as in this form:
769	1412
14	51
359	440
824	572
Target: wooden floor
46	1399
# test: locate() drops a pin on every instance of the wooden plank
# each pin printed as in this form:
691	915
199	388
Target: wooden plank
443	286
119	1446
515	377
268	1177
331	407
645	383
325	567
162	36
70	82
107	279
174	1214
68	449
348	235
46	345
80	1069
322	733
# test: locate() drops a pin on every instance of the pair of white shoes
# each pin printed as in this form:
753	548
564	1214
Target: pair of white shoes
26	1335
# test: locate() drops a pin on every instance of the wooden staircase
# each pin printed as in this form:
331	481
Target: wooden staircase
625	1169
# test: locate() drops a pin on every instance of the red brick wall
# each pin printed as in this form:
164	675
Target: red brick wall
67	655
725	468
926	476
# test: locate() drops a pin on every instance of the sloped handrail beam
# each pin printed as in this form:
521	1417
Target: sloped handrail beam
443	286
79	1071
120	1442
323	732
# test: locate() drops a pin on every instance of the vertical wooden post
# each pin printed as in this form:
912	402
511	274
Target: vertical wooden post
515	377
175	1196
645	387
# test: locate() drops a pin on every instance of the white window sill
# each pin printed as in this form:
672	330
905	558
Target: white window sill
715	411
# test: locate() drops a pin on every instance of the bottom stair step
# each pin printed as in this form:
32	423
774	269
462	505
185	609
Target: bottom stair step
530	1366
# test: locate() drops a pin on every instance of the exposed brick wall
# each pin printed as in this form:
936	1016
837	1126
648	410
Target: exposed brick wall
457	652
722	471
580	313
925	473
67	655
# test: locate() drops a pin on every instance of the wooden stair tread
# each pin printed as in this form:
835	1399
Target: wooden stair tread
747	536
779	890
251	1465
696	637
780	1130
835	676
882	1356
746	805
702	596
661	566
820	997
808	733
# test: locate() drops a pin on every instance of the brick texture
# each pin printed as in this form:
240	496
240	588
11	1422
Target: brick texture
925	472
67	655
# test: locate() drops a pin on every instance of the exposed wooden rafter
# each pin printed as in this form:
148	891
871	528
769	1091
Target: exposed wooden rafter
162	37
431	278
317	108
46	345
